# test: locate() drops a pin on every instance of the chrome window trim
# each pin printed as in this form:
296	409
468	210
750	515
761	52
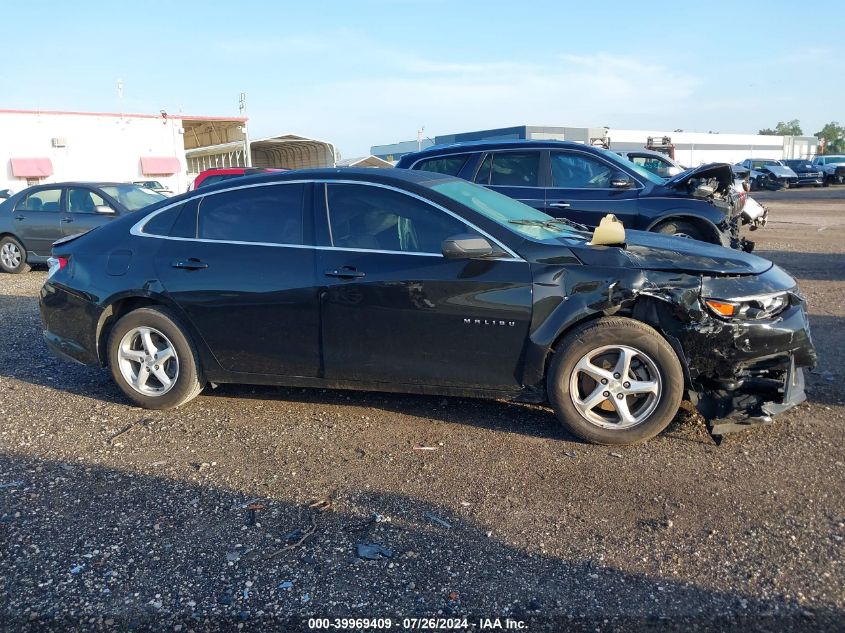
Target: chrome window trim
137	228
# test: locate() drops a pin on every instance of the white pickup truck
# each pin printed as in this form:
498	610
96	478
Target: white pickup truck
833	167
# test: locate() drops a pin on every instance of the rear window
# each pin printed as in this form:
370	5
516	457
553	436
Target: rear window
162	222
271	214
449	165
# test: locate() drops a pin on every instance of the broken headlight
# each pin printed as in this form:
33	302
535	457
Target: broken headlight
749	308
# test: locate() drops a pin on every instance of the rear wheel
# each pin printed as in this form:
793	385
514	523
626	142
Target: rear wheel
12	256
615	381
682	228
152	359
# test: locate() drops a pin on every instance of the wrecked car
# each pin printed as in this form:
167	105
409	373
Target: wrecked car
833	167
582	183
807	172
767	173
416	282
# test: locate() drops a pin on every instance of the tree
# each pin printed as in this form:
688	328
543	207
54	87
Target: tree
834	138
788	128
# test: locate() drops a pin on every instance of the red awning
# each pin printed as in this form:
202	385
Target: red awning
31	167
159	165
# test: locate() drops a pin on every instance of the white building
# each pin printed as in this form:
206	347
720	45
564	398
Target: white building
48	146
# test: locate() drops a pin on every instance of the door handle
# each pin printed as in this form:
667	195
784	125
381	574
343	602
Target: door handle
67	219
20	217
559	205
344	273
190	264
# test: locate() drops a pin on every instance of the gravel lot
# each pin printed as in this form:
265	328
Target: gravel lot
113	517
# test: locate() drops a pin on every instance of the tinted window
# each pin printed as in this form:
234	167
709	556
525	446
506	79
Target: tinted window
84	201
483	175
257	214
43	200
450	165
579	171
515	169
374	218
163	222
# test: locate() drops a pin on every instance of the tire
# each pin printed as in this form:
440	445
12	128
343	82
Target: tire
129	356
826	181
12	256
682	228
570	383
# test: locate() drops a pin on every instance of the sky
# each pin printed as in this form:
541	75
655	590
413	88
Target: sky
372	72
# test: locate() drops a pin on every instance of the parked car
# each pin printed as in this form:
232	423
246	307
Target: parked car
154	185
767	173
32	219
5	193
219	174
656	162
833	166
808	174
409	281
582	183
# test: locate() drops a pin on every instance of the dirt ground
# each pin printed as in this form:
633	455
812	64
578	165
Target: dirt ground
117	518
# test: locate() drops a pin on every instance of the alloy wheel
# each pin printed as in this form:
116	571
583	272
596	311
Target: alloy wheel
615	386
10	255
148	361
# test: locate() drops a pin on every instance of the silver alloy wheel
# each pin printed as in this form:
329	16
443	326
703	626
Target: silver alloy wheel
148	361
680	234
615	386
11	255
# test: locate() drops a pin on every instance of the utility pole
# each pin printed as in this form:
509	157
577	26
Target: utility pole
420	137
242	110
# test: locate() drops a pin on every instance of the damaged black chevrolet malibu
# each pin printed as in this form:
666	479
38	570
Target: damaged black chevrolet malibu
416	282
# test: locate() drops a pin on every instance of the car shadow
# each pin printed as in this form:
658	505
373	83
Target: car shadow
91	547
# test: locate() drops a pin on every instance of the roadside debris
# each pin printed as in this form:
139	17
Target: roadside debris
77	568
437	520
372	551
287	585
251	511
420	447
572	454
129	427
619	455
296	538
12	484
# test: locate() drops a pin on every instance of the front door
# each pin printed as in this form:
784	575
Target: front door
242	270
394	310
37	220
581	190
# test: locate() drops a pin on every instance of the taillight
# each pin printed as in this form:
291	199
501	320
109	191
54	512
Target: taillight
55	264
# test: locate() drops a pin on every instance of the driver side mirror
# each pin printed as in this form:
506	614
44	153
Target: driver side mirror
466	246
620	181
104	209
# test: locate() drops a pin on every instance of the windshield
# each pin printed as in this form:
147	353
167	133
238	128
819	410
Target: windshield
829	160
640	171
505	211
133	197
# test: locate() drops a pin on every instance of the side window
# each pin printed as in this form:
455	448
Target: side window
43	200
483	175
374	218
84	201
163	222
271	213
449	165
515	169
579	171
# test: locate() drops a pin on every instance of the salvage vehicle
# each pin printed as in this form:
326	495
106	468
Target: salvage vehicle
808	174
767	173
656	162
582	183
833	166
32	219
415	282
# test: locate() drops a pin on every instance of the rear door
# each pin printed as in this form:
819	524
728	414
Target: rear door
394	310
82	213
516	174
240	264
38	219
581	189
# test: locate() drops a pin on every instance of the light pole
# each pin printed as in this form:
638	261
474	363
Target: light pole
242	109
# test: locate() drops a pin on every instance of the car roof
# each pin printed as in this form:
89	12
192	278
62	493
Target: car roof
456	148
71	183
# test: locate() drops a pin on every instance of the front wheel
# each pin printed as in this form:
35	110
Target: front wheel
682	228
615	381
152	359
12	256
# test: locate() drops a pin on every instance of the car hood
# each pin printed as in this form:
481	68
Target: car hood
653	251
720	171
779	170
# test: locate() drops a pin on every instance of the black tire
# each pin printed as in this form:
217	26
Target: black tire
187	378
826	181
682	228
609	332
12	256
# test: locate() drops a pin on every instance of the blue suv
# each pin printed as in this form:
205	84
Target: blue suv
581	183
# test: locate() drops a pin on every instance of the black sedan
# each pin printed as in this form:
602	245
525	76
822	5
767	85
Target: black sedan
417	282
31	220
807	172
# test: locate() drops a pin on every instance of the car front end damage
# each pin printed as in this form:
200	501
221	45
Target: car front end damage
742	365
